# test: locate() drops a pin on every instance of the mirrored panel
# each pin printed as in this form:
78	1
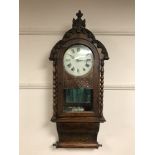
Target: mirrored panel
78	100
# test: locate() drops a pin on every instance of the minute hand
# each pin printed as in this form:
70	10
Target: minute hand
82	60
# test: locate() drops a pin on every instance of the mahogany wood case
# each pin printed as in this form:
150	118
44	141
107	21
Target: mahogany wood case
78	129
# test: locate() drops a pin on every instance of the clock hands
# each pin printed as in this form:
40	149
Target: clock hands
78	60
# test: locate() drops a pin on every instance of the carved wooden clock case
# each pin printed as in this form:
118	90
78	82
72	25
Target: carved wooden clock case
78	80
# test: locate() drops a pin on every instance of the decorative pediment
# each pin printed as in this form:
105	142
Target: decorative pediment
78	27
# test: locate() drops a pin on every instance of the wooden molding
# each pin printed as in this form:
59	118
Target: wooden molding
49	86
48	32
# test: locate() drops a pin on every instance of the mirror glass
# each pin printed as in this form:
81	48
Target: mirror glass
78	99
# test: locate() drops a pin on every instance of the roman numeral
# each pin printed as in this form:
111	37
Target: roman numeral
78	49
78	70
87	65
67	59
88	59
84	69
69	65
72	50
73	69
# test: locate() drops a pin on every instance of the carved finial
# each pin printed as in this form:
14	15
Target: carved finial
78	23
79	14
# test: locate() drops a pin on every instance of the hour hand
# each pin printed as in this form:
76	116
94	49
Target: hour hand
78	60
82	60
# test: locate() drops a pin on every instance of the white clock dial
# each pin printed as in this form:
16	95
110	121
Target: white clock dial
78	60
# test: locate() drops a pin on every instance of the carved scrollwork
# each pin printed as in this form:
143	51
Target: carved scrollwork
55	87
79	82
78	23
78	26
101	89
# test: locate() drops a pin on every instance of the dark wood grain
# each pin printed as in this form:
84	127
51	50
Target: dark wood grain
78	129
77	134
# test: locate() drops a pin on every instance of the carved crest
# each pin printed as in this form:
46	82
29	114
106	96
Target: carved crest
78	26
78	23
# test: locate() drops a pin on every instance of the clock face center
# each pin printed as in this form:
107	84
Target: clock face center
78	60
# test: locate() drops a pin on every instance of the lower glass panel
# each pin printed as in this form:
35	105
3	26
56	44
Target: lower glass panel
78	99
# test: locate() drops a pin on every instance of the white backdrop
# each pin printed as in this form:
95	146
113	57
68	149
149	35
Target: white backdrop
42	24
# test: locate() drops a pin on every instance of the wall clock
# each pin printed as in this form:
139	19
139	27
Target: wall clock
78	80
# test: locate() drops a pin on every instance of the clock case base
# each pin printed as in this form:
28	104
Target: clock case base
76	145
77	135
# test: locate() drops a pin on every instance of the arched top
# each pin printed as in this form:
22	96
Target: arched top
78	31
